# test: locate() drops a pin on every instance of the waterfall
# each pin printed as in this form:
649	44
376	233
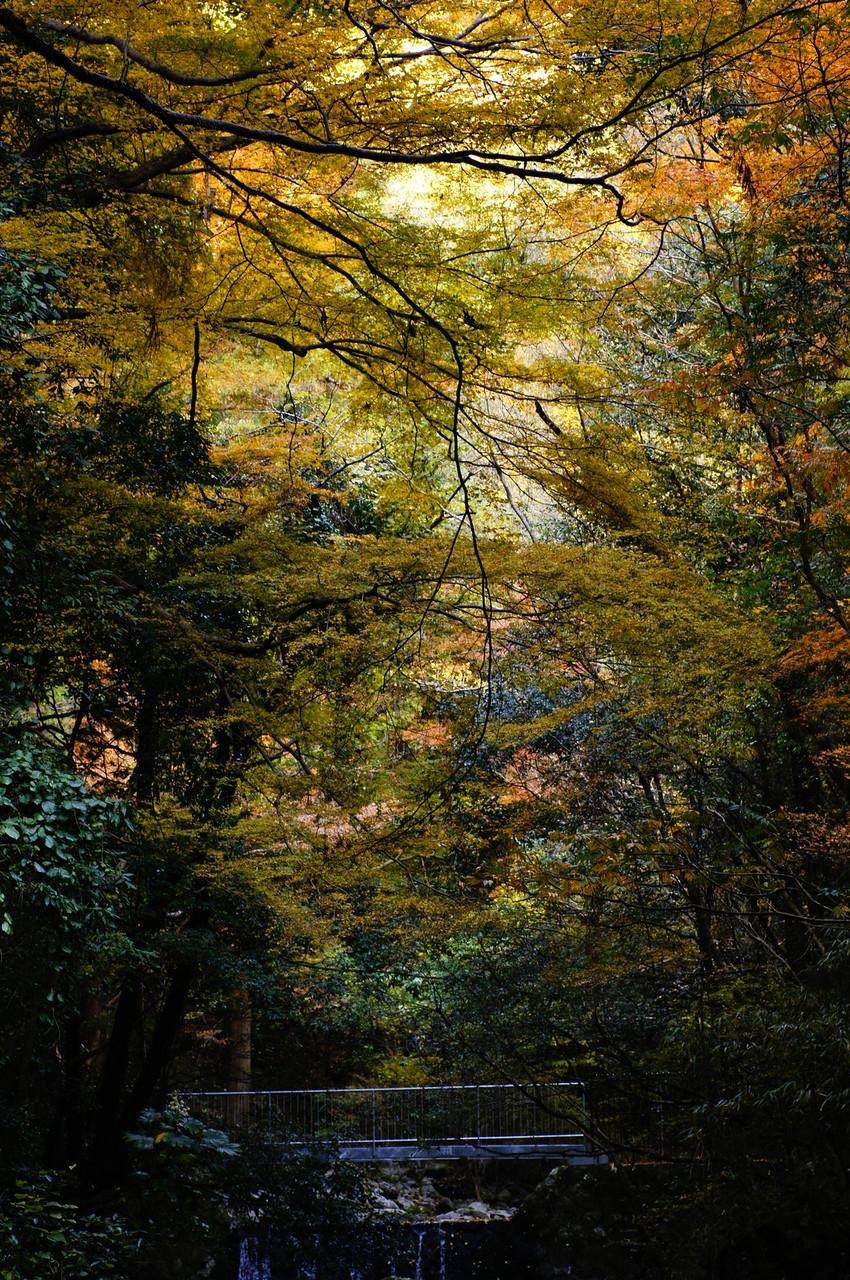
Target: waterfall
310	1268
253	1262
431	1252
442	1241
420	1254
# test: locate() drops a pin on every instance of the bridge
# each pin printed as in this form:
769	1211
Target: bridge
429	1122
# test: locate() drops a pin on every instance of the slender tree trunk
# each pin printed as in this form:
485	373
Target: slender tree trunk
64	1142
106	1152
239	1034
142	783
91	1032
238	1030
149	1087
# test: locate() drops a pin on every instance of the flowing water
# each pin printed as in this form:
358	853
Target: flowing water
409	1251
254	1262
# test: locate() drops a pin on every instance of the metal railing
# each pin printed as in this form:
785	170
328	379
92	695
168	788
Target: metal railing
407	1116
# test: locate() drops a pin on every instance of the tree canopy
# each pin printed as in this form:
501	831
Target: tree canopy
424	594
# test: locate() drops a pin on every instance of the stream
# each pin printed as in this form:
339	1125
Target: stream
408	1251
458	1220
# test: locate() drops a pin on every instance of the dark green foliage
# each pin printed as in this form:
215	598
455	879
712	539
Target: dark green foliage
62	874
29	294
64	889
314	1209
44	1237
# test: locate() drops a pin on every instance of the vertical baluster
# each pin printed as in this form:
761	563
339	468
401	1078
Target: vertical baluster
584	1110
374	1120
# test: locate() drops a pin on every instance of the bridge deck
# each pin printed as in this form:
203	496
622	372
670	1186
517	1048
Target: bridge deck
433	1122
568	1154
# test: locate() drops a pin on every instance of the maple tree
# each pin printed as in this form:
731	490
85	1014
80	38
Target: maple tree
424	494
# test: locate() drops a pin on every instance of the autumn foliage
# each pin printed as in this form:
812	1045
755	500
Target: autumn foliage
424	597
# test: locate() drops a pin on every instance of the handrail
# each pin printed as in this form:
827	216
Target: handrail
390	1088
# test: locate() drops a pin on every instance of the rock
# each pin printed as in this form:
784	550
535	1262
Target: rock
384	1204
478	1209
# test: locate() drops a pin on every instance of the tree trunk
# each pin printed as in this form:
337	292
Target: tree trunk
239	1027
149	1088
238	1031
106	1151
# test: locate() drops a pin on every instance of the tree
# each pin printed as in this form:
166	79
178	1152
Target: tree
425	495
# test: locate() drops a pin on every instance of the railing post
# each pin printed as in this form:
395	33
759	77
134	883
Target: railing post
584	1111
374	1134
478	1113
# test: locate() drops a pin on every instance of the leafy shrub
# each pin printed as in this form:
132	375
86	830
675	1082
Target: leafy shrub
43	1237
